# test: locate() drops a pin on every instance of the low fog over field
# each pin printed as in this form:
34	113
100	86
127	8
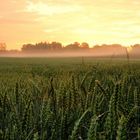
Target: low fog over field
56	49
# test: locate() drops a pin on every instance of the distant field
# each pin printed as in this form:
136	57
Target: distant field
81	98
62	60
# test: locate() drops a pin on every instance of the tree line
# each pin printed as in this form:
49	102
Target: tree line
54	46
74	47
57	46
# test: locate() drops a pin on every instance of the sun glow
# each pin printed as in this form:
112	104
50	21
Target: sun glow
67	21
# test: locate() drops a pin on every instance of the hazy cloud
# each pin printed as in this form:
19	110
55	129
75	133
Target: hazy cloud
42	8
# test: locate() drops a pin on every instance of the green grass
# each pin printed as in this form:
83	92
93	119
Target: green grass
68	99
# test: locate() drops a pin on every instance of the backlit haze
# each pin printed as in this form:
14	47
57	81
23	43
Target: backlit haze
66	21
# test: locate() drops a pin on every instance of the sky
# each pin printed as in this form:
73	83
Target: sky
67	21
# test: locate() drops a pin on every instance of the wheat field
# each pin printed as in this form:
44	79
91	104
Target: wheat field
69	99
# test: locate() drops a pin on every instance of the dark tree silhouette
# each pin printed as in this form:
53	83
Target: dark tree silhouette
85	45
42	46
73	46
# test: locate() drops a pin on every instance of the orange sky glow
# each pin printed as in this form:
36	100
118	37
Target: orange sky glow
67	21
